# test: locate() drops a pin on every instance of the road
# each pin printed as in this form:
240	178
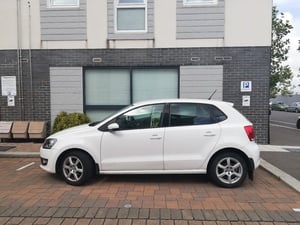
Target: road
283	129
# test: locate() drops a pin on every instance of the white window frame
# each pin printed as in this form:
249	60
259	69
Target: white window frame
118	5
200	2
51	5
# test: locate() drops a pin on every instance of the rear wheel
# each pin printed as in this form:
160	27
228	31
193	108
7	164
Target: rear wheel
76	168
228	170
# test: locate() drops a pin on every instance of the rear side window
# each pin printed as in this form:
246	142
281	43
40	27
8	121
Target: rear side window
217	114
187	114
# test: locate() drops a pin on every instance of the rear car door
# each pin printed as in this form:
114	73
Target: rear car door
192	134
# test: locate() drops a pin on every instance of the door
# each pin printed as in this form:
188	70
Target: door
137	144
190	137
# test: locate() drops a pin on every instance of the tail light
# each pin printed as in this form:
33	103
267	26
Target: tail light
250	132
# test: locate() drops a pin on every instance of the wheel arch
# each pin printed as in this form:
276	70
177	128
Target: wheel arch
249	161
62	155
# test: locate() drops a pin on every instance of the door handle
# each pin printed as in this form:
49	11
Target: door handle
209	134
155	137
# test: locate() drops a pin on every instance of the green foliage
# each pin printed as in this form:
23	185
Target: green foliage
281	75
64	120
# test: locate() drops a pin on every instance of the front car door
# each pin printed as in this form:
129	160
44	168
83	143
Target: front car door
138	143
191	136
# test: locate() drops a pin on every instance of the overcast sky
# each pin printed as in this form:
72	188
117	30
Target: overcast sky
291	9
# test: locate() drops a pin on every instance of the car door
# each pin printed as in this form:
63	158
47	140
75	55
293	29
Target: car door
190	137
137	144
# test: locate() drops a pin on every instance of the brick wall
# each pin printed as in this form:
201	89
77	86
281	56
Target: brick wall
243	63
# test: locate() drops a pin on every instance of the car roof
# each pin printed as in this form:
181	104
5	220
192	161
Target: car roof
182	100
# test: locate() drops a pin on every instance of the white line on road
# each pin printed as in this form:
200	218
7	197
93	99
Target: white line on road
276	125
296	210
24	167
277	121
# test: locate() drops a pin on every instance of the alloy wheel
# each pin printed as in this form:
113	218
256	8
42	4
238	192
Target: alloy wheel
229	170
73	168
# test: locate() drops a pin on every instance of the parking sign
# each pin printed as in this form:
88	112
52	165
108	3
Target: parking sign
246	86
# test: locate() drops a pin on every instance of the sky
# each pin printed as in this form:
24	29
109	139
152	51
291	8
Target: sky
291	10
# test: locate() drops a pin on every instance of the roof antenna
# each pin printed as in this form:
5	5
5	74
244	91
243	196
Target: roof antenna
212	94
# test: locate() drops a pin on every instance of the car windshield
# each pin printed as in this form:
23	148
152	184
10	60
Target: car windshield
95	123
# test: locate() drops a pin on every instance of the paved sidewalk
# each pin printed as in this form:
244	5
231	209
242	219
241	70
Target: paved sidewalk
32	196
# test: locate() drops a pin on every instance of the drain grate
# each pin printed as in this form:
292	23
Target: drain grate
5	148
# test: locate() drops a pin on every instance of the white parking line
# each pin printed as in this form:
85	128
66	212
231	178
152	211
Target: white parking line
24	167
296	209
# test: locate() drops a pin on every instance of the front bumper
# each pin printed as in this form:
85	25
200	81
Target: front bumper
48	160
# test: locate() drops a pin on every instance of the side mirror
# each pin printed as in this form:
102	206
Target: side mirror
113	127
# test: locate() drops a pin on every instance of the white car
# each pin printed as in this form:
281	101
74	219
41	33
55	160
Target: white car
176	136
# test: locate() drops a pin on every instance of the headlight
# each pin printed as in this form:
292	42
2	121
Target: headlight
49	143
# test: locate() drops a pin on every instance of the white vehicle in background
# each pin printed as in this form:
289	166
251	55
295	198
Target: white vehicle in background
294	107
176	136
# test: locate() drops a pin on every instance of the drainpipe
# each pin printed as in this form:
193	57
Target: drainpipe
30	62
19	61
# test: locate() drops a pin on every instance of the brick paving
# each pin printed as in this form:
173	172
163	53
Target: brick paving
32	196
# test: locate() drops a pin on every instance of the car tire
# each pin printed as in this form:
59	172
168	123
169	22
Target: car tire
228	169
298	124
76	168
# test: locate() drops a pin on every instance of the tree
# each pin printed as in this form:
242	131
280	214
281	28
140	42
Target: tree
281	74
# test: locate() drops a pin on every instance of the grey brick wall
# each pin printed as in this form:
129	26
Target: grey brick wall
242	63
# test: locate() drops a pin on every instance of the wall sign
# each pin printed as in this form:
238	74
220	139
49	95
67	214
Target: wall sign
246	100
246	86
10	100
9	85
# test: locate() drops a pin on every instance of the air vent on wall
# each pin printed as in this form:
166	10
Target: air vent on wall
97	60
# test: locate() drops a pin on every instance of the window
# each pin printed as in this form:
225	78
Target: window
141	118
200	2
194	114
108	90
130	15
63	3
154	84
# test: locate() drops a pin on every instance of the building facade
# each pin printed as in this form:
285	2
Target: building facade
97	56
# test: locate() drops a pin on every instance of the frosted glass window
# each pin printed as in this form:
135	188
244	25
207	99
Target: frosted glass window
98	115
130	19
131	15
107	87
154	84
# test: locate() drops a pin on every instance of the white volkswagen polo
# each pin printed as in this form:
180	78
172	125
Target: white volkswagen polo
177	136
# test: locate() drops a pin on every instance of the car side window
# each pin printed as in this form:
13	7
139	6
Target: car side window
188	114
218	115
141	118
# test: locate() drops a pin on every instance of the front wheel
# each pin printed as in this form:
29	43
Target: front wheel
228	170
76	168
